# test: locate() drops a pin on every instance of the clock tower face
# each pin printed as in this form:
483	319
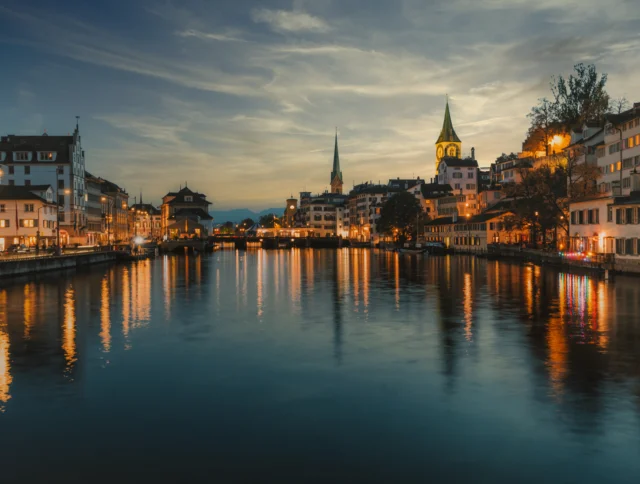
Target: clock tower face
452	150
439	152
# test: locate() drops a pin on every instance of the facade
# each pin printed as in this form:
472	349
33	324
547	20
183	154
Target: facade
448	143
58	161
336	173
475	233
462	175
325	215
96	222
27	217
185	214
290	211
428	195
365	203
620	152
145	221
115	207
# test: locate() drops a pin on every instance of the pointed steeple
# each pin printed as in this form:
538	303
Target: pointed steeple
336	161
448	133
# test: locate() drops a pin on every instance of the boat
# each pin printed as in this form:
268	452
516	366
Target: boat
412	250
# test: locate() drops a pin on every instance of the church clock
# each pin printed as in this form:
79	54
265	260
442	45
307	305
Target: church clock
440	153
452	150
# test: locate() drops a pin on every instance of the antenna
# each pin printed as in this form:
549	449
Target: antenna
77	122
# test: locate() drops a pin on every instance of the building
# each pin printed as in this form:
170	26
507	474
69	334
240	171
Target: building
618	156
145	220
336	173
28	215
428	194
475	232
608	224
461	174
290	211
115	207
58	161
185	214
448	143
325	215
365	204
96	221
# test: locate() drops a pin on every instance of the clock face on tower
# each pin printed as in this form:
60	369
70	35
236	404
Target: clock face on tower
440	152
452	150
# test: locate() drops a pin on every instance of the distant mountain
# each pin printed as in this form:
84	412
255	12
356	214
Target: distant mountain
237	215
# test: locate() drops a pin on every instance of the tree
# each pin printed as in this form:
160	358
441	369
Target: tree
269	221
619	105
399	215
227	227
247	223
581	98
504	157
544	125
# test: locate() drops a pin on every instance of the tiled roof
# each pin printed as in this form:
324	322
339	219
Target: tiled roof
458	162
18	192
435	190
59	144
146	207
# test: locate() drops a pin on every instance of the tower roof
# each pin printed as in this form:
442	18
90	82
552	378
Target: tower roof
448	133
336	162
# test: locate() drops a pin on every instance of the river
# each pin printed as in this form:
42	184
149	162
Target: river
319	366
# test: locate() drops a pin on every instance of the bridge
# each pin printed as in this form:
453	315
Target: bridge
249	242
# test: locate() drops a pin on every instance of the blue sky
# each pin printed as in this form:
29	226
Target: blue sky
241	98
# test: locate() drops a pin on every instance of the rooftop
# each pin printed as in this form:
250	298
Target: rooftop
19	192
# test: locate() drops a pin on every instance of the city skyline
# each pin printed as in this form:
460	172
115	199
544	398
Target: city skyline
241	99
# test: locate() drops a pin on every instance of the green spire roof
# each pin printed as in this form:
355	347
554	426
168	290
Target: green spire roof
336	161
448	133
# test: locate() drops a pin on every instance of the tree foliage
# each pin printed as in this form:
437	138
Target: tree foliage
578	99
269	221
246	223
504	157
399	215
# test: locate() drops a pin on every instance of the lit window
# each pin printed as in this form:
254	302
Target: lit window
45	156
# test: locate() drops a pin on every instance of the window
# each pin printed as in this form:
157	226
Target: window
590	217
620	246
573	218
629	246
609	214
60	170
628	218
2	208
600	152
471	186
627	163
630	142
581	217
470	174
60	184
45	156
626	182
11	170
27	170
492	226
457	187
28	207
457	175
29	223
619	216
21	156
618	166
27	183
188	198
597	212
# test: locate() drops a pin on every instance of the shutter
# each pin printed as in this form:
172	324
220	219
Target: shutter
35	223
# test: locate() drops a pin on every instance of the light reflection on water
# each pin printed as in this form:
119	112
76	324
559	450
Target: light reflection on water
443	366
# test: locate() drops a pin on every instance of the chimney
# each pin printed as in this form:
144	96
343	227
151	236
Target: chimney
473	153
616	189
635	181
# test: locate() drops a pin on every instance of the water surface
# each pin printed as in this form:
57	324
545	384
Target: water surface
319	366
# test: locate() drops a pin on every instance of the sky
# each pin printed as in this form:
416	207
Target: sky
241	98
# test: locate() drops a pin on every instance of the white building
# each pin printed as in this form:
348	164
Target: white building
27	216
620	153
325	215
58	161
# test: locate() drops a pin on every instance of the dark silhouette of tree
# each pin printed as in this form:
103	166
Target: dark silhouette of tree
399	215
270	221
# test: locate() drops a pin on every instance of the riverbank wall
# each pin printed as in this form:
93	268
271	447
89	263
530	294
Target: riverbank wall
18	267
601	264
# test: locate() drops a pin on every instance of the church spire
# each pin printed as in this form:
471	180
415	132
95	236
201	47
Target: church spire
336	174
448	134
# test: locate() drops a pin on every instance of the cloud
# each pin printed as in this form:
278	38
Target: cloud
210	36
289	21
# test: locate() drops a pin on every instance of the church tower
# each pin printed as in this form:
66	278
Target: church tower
448	143
336	174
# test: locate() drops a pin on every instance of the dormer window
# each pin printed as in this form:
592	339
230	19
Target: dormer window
21	156
188	198
46	156
3	156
